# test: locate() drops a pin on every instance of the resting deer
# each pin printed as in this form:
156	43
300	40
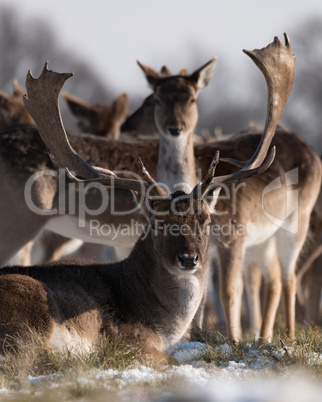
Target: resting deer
149	299
18	165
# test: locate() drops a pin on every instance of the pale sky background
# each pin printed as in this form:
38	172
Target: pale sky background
112	35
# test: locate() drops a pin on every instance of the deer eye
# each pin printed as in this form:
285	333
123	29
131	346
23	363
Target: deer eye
192	100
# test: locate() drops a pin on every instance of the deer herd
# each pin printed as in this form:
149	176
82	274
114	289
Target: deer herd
169	208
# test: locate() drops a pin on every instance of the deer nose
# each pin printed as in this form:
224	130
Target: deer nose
175	131
188	262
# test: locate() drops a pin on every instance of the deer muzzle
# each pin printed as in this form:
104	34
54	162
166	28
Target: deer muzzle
174	131
188	262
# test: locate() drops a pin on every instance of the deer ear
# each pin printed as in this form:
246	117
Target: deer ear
165	71
120	105
18	90
4	101
202	76
79	107
211	199
152	76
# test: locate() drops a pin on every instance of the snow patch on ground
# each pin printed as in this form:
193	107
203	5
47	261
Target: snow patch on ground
195	380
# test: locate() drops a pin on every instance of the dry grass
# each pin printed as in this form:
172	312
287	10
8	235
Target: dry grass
44	374
34	359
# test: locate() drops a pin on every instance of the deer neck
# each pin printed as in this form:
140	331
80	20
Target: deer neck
171	301
176	162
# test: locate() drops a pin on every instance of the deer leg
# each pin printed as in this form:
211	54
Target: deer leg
289	294
313	282
264	256
253	280
231	284
219	312
273	288
289	247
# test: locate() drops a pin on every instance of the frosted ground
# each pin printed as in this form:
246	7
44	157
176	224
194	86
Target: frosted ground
260	376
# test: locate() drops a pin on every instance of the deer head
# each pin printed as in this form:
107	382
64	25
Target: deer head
98	119
12	110
178	224
175	111
141	122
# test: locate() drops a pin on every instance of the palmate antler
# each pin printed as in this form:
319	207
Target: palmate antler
275	61
42	104
277	64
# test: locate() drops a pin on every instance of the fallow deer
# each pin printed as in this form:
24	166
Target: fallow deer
12	110
149	299
98	119
267	244
22	150
309	275
105	120
121	155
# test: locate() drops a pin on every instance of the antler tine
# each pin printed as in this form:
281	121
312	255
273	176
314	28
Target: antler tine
114	181
277	64
201	188
315	254
42	104
156	188
108	178
243	174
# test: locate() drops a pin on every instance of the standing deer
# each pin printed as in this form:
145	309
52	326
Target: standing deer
310	272
274	248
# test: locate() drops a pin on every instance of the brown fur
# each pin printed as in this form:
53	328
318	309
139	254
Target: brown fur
99	120
134	298
23	149
12	109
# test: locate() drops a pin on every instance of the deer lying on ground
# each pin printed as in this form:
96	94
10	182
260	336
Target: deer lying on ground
22	159
149	299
